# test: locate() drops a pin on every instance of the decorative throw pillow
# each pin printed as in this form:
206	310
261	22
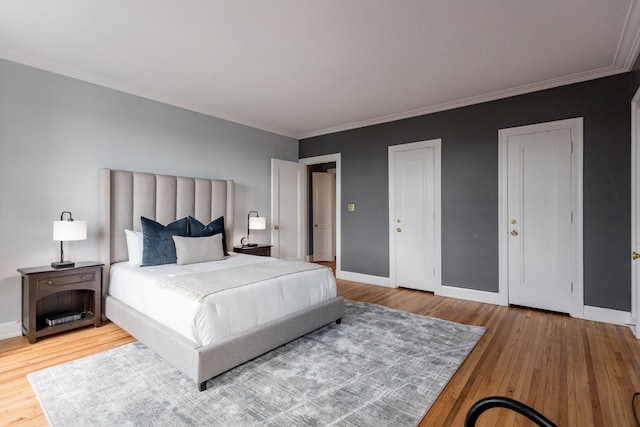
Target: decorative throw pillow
157	243
190	250
198	229
134	246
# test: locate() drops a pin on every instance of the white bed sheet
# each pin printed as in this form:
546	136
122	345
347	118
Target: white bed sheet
224	313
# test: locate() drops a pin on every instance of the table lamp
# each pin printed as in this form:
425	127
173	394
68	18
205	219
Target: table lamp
254	222
67	230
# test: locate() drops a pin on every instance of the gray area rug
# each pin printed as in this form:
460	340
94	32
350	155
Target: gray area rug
380	367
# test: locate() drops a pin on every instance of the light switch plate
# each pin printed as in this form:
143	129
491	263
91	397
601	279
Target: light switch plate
351	207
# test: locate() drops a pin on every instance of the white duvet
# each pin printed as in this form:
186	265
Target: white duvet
223	313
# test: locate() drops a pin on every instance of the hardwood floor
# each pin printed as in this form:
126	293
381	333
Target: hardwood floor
576	372
18	403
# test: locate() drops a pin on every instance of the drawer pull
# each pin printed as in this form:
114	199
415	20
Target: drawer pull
82	277
51	282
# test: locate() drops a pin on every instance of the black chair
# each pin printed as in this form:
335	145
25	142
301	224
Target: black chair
504	402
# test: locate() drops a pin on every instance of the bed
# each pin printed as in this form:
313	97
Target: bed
125	198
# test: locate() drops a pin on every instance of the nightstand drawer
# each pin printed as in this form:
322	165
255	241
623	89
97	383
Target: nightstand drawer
68	279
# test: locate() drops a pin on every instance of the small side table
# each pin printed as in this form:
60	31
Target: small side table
260	250
48	293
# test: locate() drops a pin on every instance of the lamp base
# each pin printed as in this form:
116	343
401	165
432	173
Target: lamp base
62	264
250	245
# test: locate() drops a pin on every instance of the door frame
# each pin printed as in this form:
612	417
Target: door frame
436	144
309	161
576	126
635	209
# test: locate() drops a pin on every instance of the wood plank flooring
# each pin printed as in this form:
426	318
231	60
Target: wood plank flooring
576	372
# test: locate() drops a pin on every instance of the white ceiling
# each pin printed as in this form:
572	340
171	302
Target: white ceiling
307	67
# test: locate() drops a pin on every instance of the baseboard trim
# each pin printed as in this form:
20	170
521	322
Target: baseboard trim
596	314
363	278
607	315
10	330
470	294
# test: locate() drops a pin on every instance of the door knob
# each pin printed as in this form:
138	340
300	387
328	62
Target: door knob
399	229
514	233
635	255
275	227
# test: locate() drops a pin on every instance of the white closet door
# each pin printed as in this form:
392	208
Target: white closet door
415	257
540	217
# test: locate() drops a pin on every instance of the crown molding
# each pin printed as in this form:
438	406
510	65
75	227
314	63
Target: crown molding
77	74
173	101
624	59
473	100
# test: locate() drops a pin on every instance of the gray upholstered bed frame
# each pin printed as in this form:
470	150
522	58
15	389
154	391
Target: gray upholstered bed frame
125	196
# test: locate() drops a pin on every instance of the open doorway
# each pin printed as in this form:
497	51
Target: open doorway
322	210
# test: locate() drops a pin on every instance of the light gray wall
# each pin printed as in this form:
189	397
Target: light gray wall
57	132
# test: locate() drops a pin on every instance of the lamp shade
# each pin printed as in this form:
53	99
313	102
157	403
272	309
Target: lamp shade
69	230
257	223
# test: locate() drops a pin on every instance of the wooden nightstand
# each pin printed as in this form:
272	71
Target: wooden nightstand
49	292
260	250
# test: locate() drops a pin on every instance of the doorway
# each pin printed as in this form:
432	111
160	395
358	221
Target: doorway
330	164
322	209
541	216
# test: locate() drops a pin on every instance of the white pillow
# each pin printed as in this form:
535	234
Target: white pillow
134	246
190	250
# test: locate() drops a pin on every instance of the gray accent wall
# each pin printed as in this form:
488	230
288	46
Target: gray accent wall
470	184
57	132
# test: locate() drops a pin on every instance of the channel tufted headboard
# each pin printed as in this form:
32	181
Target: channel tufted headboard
126	196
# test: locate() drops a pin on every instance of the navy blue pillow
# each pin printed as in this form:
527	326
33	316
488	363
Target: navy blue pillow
198	229
157	241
